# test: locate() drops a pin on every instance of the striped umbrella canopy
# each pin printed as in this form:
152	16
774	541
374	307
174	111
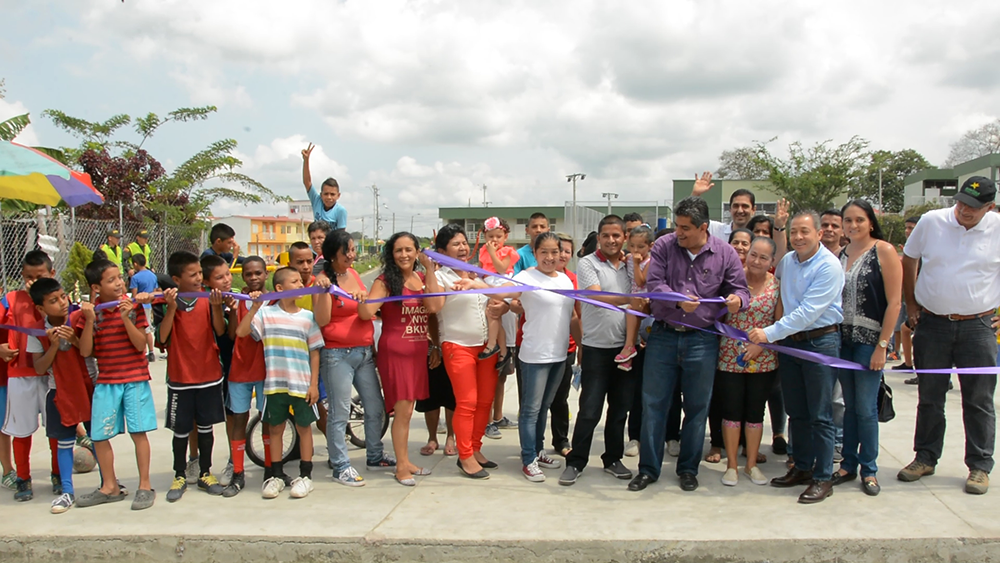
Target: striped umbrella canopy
30	175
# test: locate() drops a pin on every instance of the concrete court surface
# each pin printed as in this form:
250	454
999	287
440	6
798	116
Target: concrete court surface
448	517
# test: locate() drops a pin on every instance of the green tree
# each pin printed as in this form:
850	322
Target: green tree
975	143
895	166
740	164
180	197
811	178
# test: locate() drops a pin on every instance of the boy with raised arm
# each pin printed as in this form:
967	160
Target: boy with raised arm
324	200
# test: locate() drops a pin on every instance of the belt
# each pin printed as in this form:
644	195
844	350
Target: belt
954	318
674	328
810	334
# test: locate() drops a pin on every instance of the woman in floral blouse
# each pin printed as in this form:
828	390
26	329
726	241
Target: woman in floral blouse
744	383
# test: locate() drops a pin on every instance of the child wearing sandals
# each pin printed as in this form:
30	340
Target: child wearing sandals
640	241
499	259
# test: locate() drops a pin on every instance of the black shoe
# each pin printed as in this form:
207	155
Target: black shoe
950	385
236	484
489	464
640	482
779	445
792	478
900	367
840	479
504	363
689	481
870	486
619	470
481	474
911	381
489	352
817	492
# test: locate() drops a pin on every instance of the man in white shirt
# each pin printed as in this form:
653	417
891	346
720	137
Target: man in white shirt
950	306
603	337
742	208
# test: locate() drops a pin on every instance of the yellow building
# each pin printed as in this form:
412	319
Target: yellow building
267	237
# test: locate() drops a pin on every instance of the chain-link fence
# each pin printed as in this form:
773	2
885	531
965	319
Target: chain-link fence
23	232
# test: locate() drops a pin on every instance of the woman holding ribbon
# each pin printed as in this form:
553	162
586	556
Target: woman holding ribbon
403	345
543	354
746	372
873	278
463	326
348	360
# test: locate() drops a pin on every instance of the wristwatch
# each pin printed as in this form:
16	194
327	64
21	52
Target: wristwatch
883	344
779	229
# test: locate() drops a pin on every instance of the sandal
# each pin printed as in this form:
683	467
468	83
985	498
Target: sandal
714	455
428	449
626	355
143	499
449	447
97	497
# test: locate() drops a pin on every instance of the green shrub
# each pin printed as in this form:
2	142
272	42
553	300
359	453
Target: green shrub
73	279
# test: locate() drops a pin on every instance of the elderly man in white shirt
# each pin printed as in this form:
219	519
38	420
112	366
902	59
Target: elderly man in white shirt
950	306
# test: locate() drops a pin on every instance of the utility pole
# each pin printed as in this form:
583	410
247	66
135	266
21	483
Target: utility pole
609	195
485	203
394	222
880	210
573	178
375	227
362	235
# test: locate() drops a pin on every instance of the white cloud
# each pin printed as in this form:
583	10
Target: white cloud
9	109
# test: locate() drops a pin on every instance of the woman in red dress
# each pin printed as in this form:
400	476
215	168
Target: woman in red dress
403	346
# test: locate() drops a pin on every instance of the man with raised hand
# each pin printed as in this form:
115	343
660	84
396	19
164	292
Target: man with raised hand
742	207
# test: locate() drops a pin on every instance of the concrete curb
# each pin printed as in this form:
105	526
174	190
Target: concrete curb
208	549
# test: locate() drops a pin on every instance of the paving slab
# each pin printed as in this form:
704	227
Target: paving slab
448	517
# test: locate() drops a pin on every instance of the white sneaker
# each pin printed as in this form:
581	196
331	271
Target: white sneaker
673	448
547	462
533	473
730	477
348	477
192	470
301	487
272	487
756	475
227	474
632	448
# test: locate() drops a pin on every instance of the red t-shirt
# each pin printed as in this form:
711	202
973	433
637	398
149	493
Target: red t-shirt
74	388
346	329
192	353
21	311
248	354
118	360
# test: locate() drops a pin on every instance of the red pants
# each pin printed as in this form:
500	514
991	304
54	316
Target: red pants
474	382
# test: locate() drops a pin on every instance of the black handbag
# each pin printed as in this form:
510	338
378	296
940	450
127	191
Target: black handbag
885	410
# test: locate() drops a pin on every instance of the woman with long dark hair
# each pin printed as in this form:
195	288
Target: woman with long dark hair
348	360
403	345
463	327
872	294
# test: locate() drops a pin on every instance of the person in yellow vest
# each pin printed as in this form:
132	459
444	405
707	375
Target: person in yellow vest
113	248
140	246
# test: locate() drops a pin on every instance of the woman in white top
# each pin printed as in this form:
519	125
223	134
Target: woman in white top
543	350
462	328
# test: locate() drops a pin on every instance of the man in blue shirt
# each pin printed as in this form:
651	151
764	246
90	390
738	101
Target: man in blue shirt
144	281
812	282
222	238
538	223
324	201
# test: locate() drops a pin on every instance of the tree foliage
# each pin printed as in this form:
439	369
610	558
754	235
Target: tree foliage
811	178
895	167
740	164
975	143
125	172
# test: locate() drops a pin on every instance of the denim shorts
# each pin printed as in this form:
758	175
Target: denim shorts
241	396
122	406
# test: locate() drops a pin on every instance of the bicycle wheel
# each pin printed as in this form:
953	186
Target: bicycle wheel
255	442
356	423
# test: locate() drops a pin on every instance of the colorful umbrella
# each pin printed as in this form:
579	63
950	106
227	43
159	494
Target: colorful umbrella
33	176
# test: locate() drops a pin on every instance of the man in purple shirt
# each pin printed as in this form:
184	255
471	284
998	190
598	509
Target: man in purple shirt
693	263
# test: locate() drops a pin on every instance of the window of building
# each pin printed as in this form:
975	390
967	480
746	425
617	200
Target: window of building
255	228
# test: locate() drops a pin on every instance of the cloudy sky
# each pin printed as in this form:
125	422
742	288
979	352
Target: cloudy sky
430	100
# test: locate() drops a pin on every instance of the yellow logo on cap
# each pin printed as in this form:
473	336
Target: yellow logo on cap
975	185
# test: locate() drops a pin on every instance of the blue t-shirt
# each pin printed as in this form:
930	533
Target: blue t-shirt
526	260
336	216
144	282
227	256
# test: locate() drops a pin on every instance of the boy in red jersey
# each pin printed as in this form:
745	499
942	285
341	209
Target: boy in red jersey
194	371
246	379
57	354
26	390
8	475
123	400
216	275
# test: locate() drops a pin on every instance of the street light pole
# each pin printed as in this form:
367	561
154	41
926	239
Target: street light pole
375	227
880	210
573	178
609	195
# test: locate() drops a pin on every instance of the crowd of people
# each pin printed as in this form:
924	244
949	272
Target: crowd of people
453	330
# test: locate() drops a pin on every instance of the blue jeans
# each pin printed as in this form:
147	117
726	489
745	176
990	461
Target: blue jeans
685	359
539	383
861	410
808	391
341	369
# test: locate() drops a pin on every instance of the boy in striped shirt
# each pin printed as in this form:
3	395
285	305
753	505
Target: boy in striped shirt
123	400
292	341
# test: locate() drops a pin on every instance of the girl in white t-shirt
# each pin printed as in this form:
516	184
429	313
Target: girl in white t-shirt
544	348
